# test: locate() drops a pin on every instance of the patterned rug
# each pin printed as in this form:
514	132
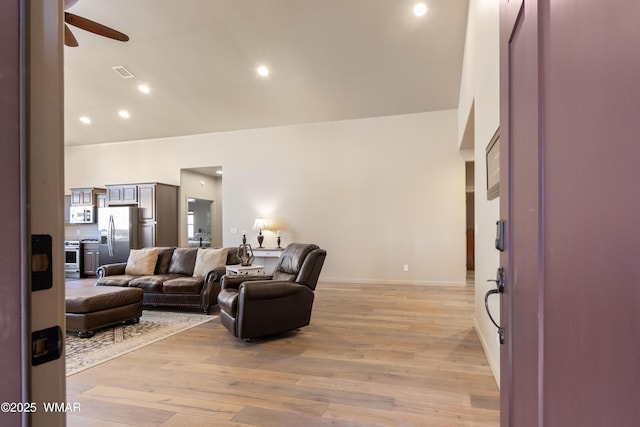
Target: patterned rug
109	343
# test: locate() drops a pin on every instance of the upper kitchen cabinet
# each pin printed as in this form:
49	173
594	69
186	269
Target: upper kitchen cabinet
122	195
85	196
102	200
67	208
147	201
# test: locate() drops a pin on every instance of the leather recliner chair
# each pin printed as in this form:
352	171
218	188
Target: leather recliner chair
261	305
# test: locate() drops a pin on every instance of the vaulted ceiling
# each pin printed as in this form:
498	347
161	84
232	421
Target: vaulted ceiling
328	60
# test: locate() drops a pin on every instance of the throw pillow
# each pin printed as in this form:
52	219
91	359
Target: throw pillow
183	261
209	259
142	262
164	260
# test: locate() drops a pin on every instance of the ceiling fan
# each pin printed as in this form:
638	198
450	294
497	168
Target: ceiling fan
87	25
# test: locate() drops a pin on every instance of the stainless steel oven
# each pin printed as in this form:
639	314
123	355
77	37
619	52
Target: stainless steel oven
72	259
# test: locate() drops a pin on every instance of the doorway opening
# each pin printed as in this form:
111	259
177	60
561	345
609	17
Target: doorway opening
467	145
470	215
200	208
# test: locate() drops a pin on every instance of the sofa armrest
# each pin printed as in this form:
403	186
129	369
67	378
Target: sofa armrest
215	275
269	289
111	269
211	287
234	281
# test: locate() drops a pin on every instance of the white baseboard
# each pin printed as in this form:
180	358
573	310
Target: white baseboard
390	282
492	363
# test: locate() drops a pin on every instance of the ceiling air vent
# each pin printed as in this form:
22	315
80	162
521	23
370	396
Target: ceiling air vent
123	72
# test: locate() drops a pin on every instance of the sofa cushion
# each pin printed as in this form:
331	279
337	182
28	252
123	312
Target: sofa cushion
183	285
209	259
232	256
164	259
142	261
151	283
117	280
183	261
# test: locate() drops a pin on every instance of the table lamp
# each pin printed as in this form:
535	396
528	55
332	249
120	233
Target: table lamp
260	224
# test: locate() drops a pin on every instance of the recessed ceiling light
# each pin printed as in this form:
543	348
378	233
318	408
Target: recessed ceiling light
86	120
144	88
219	172
419	9
124	114
263	70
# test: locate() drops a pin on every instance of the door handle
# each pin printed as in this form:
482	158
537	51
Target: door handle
499	281
111	235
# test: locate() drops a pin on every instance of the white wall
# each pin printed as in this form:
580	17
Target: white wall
467	78
376	193
480	96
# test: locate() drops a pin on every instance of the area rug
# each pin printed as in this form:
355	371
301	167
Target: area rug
109	343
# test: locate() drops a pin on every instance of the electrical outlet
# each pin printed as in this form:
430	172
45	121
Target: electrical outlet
234	231
406	267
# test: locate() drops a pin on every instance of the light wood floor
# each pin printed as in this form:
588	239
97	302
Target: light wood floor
373	355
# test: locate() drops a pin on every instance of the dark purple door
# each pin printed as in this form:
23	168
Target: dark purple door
520	205
11	307
570	192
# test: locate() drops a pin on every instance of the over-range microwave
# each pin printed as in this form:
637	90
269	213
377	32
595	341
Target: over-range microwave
82	215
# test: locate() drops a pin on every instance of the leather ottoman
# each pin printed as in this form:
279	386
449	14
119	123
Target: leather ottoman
95	307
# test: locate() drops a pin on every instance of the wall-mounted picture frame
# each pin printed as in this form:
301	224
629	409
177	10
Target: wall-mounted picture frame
493	166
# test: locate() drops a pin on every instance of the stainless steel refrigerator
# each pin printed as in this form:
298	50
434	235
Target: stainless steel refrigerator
118	227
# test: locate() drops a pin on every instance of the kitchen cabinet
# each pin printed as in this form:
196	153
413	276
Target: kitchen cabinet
147	202
122	195
85	196
91	253
67	210
157	210
147	234
102	200
158	214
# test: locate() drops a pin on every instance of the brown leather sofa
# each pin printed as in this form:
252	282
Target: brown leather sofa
261	305
173	283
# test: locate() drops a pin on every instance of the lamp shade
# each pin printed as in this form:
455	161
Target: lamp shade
260	224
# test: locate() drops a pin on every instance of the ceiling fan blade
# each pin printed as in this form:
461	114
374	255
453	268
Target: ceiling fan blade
94	27
69	39
69	3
